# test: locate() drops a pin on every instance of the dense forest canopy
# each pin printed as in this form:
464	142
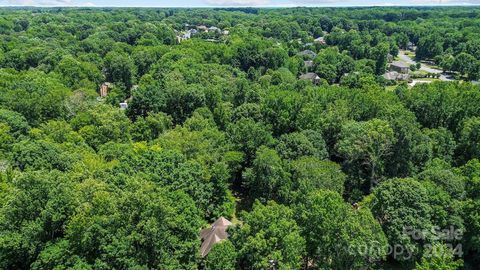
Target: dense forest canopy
125	131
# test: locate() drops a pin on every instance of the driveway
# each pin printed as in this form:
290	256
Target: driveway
405	58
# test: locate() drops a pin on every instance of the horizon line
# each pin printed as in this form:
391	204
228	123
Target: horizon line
239	7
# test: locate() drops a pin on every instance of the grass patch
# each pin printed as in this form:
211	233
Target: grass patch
391	88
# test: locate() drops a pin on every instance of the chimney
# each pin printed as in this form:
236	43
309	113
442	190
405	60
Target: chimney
104	89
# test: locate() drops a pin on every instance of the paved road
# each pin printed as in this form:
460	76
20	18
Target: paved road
405	58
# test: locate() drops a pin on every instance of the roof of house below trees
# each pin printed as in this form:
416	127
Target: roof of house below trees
309	76
216	233
400	64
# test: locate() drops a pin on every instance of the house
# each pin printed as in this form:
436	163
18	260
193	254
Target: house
216	233
186	35
395	76
308	53
320	40
181	38
308	64
202	28
310	76
411	46
214	29
400	67
104	89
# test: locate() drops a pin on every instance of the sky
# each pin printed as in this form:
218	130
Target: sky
231	3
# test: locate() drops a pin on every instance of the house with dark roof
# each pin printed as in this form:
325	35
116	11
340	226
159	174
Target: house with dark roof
395	76
310	76
400	67
216	233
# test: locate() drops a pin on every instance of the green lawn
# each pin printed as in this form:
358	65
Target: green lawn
391	88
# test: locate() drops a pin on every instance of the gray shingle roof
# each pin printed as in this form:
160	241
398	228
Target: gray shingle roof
400	64
309	76
395	76
216	233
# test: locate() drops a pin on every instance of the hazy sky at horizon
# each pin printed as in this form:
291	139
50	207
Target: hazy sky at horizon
231	3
